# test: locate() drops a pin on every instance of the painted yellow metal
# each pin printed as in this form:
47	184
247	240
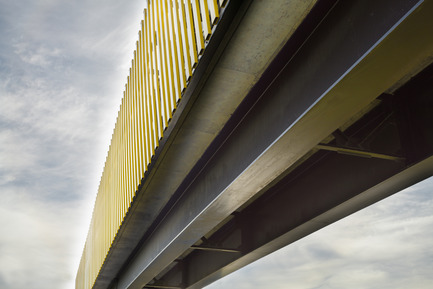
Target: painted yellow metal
169	43
214	12
198	26
135	133
140	127
156	108
149	132
127	147
174	51
222	3
191	32
181	45
204	9
163	66
185	41
169	54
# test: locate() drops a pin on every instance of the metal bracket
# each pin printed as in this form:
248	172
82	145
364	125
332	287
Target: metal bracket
161	285
359	153
209	247
218	249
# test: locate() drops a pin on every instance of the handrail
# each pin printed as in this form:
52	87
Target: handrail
172	38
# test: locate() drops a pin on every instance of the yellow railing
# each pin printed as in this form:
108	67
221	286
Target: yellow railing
172	38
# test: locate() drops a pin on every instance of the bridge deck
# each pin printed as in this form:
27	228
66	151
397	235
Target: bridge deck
275	139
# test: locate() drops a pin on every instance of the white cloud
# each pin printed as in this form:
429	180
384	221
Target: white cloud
62	72
37	241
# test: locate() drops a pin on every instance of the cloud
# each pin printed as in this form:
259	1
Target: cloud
37	241
63	66
387	245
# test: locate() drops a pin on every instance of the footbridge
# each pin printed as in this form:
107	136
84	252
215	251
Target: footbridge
247	125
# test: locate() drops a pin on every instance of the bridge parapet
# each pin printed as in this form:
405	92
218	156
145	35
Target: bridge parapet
173	36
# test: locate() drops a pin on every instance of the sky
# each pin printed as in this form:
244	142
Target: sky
63	66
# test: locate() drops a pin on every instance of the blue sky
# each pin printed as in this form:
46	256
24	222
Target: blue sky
63	66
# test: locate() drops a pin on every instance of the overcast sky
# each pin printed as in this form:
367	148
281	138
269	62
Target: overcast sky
63	66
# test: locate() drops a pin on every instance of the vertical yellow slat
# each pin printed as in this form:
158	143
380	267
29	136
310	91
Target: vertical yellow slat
152	79
121	164
178	65
168	56
127	154
145	87
113	189
134	133
131	140
145	50
121	170
183	66
149	89
184	36
134	128
131	137
136	124
105	205
163	61
124	163
106	190
114	182
125	167
154	87
191	32
198	26
205	18
110	188
130	146
138	110
156	107
223	3
142	97
171	52
100	219
136	121
118	170
107	186
214	12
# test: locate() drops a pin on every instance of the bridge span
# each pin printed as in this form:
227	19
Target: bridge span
247	125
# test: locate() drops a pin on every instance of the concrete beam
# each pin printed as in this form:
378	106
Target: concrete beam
352	57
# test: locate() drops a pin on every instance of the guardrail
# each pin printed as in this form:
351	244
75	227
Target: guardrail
173	35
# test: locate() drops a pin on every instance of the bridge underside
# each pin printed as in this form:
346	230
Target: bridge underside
341	118
386	150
